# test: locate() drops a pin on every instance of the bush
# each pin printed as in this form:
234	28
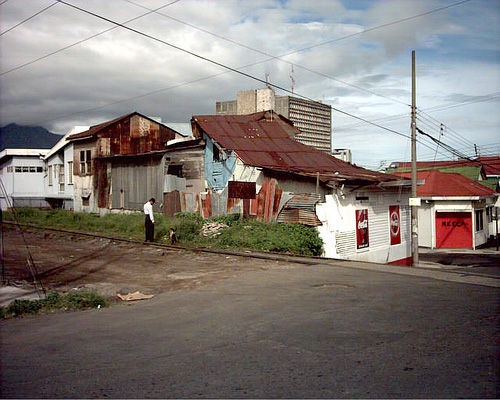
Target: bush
54	301
291	238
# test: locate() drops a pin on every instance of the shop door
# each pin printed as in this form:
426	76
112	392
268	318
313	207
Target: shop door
454	230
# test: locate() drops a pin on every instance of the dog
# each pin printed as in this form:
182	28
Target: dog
173	236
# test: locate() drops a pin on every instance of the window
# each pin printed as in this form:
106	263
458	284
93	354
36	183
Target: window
32	169
10	169
479	220
19	169
85	162
49	174
26	169
39	169
85	201
70	172
216	153
61	178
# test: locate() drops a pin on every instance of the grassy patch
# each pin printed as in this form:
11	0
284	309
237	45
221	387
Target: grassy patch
52	302
240	234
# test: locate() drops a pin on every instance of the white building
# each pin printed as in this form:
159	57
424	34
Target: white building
21	175
455	211
58	181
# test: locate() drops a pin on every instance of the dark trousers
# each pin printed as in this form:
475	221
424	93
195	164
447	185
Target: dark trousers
150	229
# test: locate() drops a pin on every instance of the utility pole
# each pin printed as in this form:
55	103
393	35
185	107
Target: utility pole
414	208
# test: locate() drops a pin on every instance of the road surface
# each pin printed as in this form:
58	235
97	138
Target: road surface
287	330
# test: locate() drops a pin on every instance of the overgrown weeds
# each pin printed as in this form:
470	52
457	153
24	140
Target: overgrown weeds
240	234
52	302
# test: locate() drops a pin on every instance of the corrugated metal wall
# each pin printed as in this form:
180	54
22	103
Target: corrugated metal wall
138	182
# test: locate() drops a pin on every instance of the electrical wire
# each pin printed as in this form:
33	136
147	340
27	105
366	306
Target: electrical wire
253	49
232	69
83	40
27	19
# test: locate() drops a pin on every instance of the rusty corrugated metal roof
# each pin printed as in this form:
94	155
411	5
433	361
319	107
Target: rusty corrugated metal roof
96	128
264	140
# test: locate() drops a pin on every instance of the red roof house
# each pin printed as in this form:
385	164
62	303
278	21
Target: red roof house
455	211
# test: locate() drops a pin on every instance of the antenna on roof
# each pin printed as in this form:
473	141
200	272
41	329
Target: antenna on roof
292	78
268	80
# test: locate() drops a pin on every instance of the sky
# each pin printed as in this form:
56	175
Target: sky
64	67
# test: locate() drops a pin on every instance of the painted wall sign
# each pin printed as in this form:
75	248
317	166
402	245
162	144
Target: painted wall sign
362	240
395	224
453	230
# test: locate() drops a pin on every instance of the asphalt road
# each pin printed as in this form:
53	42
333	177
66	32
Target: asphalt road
297	332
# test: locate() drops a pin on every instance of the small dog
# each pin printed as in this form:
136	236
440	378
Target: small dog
173	236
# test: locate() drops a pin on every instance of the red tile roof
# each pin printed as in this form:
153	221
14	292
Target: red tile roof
442	184
491	165
265	140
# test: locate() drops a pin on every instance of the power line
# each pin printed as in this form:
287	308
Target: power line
220	64
272	57
431	118
27	19
378	27
83	40
259	51
444	145
3	2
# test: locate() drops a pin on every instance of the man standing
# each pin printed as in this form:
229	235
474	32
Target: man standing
150	220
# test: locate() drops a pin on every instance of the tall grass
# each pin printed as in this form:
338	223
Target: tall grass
240	234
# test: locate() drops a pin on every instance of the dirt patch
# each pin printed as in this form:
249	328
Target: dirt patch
66	262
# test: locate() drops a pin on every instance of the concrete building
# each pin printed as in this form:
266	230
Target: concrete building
313	119
21	174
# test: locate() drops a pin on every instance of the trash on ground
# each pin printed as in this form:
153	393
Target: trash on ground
134	296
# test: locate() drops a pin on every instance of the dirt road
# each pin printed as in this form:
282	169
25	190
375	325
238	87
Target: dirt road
72	261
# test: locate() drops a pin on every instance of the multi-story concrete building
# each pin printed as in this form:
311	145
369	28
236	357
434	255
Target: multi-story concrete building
313	119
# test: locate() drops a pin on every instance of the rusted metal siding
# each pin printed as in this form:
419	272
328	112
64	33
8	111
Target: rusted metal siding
171	203
301	209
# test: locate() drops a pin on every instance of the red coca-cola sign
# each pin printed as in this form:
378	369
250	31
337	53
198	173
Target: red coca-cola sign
362	240
395	224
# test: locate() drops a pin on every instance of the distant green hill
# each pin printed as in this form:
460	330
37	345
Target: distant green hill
15	136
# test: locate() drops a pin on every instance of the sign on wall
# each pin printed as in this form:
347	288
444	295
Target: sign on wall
362	240
395	224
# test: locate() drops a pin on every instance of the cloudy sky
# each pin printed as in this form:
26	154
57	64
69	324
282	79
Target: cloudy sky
64	67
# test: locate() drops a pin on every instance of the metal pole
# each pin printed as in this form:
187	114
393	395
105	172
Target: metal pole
414	208
496	225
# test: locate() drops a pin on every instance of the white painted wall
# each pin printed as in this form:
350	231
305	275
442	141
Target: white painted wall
338	215
22	184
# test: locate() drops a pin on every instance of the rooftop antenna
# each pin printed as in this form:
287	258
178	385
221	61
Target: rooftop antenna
292	78
268	80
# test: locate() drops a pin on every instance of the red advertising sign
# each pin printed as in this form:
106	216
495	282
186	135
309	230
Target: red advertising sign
362	229
395	224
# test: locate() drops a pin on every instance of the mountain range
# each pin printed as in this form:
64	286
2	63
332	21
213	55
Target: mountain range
15	136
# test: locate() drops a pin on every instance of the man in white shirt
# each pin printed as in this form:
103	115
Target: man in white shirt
150	220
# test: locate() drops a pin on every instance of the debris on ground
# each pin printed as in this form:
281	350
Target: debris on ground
134	296
212	229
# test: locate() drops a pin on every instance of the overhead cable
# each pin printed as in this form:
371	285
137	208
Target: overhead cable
27	19
220	64
83	40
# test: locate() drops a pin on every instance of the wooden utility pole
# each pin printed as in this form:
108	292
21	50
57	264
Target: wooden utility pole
414	208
